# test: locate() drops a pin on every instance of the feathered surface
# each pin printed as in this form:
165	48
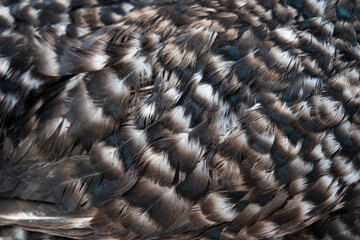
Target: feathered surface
214	119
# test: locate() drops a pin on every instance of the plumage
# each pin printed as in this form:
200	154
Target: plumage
210	119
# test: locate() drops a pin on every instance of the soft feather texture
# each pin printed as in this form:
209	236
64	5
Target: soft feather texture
208	119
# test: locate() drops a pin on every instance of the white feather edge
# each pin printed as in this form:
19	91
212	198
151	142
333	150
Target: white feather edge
32	213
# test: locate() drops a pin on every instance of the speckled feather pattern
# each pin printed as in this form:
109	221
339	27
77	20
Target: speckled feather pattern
213	119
